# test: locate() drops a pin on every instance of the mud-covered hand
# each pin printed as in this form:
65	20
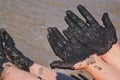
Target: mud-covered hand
16	56
98	38
67	48
3	58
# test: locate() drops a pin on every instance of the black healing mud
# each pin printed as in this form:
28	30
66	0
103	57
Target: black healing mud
98	67
67	48
28	25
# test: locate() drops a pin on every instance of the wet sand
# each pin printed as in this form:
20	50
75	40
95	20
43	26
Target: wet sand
27	21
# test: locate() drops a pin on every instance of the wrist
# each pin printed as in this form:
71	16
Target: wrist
86	64
113	52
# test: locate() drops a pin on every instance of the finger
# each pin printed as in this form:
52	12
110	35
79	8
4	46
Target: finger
52	39
106	21
72	25
110	29
57	46
61	65
69	22
76	19
69	36
61	37
6	38
52	43
76	32
55	37
1	48
89	18
58	50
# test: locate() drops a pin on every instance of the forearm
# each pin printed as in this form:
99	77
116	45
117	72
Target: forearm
98	68
102	71
112	57
47	74
103	74
10	72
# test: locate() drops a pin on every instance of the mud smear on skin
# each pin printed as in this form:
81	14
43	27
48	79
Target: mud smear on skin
27	22
91	61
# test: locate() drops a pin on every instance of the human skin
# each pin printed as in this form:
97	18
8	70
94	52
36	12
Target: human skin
37	72
111	66
98	68
108	62
47	74
10	72
112	57
94	65
101	40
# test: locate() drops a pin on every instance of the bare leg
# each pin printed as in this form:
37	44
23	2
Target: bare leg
112	57
47	74
10	72
98	69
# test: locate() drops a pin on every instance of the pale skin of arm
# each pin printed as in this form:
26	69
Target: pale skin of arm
94	65
37	72
98	68
47	74
10	72
112	57
111	68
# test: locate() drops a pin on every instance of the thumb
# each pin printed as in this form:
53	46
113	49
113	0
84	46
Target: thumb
61	64
106	21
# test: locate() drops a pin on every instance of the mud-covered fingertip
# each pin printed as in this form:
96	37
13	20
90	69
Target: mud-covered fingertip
55	64
52	67
68	12
55	29
49	29
80	7
2	30
105	16
68	20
